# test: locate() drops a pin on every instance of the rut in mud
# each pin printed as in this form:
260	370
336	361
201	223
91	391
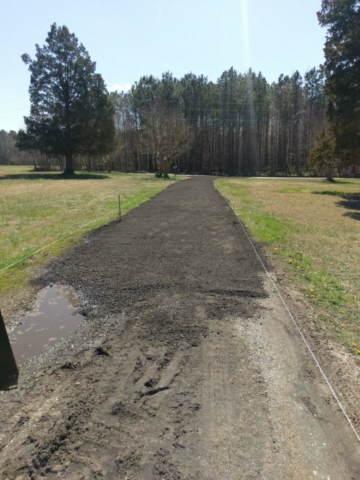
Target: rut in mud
161	383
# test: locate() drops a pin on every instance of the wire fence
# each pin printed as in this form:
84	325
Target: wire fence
68	234
291	316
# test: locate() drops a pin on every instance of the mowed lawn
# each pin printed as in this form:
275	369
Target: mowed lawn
46	211
312	228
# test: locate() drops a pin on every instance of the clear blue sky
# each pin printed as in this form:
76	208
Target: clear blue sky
131	39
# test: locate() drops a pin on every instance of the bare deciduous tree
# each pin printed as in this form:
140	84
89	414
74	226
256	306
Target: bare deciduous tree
166	136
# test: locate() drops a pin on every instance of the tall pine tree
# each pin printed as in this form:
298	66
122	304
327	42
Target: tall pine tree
70	108
342	70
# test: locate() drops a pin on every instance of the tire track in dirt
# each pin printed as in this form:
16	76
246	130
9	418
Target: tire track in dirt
159	384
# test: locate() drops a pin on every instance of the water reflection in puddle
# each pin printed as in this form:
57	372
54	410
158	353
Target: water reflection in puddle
51	320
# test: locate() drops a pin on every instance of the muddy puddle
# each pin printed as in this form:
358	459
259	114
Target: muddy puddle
52	319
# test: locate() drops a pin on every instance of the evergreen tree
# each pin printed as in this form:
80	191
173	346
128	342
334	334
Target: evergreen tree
342	70
323	156
70	108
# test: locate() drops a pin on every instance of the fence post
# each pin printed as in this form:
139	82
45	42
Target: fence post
119	208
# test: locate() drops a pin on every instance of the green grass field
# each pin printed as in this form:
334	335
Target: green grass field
49	212
312	229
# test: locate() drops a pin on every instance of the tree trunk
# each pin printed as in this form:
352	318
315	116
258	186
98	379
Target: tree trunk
330	176
69	169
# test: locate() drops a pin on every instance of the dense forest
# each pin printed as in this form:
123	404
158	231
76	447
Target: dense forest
240	125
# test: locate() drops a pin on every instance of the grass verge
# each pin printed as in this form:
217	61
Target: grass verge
312	229
49	210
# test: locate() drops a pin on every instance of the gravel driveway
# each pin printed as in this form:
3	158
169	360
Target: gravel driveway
186	366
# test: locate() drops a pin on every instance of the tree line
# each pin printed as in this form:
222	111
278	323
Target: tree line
9	153
239	125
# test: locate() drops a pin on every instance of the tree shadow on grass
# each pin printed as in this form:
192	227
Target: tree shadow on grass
350	201
353	215
54	176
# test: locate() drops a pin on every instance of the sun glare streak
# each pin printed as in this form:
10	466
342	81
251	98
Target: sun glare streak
249	80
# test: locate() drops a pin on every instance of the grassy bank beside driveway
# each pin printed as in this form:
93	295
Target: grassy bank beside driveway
312	229
38	209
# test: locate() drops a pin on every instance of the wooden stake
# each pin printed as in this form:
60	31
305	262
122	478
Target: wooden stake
119	208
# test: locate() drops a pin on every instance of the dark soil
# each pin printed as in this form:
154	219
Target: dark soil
186	240
161	382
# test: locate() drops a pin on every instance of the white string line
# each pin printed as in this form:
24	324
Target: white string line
295	323
49	244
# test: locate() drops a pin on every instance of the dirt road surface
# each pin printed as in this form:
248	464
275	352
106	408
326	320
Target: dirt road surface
186	367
